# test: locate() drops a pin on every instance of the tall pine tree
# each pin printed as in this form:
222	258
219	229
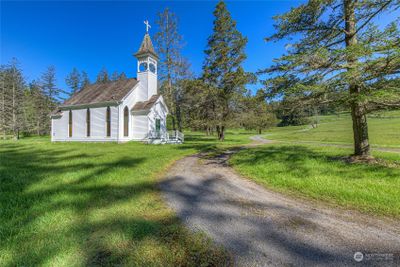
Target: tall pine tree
12	96
340	56
103	76
223	66
73	80
84	79
173	67
52	94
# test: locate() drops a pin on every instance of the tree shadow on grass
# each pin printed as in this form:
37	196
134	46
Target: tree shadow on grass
295	161
91	216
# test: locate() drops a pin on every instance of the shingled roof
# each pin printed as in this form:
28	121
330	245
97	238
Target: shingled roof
146	105
102	92
146	47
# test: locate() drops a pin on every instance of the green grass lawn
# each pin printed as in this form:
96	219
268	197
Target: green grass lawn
317	173
384	130
79	204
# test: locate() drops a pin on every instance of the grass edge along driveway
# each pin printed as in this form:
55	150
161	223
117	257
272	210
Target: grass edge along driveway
318	173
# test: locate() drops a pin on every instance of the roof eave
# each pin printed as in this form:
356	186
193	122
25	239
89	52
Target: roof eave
144	54
141	112
91	105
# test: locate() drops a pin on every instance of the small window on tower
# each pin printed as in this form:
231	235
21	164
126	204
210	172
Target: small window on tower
152	68
143	67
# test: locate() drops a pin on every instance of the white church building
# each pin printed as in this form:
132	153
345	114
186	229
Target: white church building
117	111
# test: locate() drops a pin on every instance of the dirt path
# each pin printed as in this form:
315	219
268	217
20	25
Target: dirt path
263	228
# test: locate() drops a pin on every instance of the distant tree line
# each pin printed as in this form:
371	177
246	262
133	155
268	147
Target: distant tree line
25	107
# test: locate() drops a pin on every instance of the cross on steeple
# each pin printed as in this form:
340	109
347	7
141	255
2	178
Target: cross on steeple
147	25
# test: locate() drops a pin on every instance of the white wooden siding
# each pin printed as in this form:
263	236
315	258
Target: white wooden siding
97	125
140	127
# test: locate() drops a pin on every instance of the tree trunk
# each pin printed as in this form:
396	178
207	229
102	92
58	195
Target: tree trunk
173	122
178	117
358	111
3	115
14	117
221	132
259	131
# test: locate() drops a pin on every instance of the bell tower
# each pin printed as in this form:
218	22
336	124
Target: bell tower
147	60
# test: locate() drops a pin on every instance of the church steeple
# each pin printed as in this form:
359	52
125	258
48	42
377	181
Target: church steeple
147	66
146	48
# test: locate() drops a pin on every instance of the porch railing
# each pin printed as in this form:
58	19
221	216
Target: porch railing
170	136
176	135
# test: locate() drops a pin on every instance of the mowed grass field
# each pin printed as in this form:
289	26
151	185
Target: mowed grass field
384	130
80	204
319	173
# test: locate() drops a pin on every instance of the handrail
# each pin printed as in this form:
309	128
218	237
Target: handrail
167	136
177	135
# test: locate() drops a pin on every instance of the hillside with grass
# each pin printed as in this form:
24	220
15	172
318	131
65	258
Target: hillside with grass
384	130
312	163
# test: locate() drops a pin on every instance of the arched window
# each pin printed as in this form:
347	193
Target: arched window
152	68
88	122
126	121
108	122
142	67
70	123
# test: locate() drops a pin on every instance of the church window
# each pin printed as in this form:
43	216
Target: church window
88	122
152	68
70	123
158	127
126	121
143	67
108	122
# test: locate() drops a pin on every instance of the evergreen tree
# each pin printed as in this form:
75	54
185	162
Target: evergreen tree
12	95
73	80
223	66
114	76
102	77
340	56
84	79
257	114
172	66
122	76
49	89
52	96
35	110
3	102
198	105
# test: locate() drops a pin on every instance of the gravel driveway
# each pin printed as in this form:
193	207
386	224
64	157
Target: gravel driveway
263	228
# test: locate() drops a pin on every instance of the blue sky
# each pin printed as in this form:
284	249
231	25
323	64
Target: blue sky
90	35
